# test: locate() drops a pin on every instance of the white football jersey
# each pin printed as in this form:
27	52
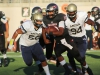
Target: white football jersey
31	35
77	29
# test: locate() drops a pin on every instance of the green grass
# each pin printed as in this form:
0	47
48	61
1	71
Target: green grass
18	67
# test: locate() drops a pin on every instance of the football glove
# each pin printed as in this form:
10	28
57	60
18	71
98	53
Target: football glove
11	44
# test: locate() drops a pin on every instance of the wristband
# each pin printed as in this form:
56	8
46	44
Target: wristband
11	41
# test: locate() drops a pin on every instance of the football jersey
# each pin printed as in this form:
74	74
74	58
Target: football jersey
77	29
58	20
97	23
31	35
3	20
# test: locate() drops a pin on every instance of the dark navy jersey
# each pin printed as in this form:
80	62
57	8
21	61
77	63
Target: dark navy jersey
97	23
2	27
54	21
58	21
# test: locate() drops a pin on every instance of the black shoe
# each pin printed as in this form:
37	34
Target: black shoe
89	71
57	63
5	62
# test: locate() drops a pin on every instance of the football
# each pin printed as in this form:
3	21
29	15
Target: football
52	29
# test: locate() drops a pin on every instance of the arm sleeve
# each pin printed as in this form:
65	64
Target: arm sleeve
85	16
25	27
62	24
62	21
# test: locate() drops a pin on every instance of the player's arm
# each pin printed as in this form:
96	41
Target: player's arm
90	22
61	29
18	31
23	29
44	34
7	30
61	25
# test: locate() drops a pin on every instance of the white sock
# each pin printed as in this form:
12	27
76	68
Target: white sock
86	66
4	56
46	69
63	62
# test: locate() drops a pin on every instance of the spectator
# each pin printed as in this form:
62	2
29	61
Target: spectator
89	32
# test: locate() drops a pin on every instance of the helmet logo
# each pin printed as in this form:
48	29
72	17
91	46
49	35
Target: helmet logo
54	7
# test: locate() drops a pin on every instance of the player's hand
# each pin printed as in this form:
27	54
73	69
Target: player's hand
47	41
10	47
11	44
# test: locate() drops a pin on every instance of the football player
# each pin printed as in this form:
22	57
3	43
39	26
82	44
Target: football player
3	21
49	48
29	41
44	11
34	10
96	14
75	24
63	40
55	19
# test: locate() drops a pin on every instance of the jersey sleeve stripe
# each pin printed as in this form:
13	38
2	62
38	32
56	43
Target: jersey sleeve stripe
23	29
86	19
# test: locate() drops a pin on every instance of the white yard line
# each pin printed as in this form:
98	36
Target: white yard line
21	55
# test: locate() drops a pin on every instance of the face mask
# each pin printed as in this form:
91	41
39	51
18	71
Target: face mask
72	16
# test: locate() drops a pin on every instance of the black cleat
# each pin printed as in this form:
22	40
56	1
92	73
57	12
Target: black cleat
5	62
89	71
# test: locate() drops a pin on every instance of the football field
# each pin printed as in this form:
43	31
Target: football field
17	66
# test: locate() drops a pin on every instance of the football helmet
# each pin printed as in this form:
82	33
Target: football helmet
95	11
44	11
37	19
71	11
2	14
52	7
36	10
